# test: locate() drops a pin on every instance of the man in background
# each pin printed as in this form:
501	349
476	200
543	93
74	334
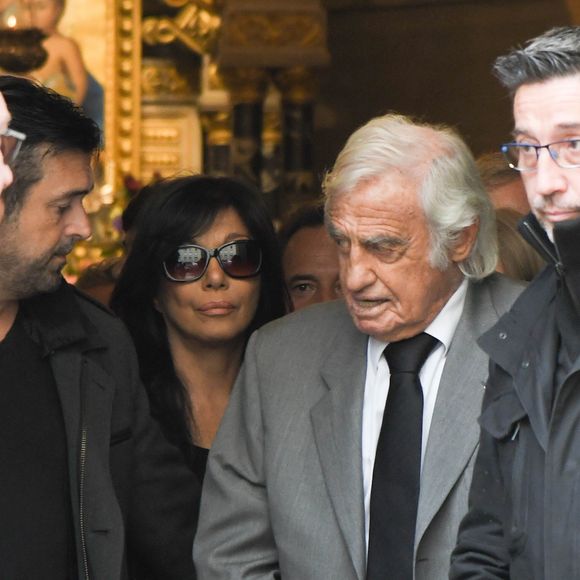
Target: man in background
504	186
89	488
309	258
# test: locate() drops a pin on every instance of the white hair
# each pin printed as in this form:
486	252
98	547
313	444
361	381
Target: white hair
450	189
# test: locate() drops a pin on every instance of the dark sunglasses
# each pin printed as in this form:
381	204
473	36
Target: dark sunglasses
10	144
239	259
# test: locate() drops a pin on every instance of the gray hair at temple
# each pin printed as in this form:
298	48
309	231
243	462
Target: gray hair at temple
450	189
555	53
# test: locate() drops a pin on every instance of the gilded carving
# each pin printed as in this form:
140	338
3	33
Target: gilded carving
123	113
196	26
298	84
298	30
217	127
159	78
246	84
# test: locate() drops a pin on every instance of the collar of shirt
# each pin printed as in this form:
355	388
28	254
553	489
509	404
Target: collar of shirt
442	327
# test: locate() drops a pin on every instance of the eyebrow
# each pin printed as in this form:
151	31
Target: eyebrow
68	195
333	232
564	126
384	240
308	277
234	236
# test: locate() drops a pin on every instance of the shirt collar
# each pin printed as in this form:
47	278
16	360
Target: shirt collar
442	327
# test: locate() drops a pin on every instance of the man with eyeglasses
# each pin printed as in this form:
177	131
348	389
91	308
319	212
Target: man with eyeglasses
524	517
88	486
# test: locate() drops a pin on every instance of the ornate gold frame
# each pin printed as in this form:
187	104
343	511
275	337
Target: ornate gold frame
123	91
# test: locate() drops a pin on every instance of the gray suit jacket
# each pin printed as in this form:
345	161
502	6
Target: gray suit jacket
283	492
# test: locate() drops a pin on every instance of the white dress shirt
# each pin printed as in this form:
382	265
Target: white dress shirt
377	387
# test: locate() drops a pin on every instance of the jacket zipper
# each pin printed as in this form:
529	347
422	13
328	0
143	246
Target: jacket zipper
82	515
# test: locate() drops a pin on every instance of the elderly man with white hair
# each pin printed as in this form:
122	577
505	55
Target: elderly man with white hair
347	449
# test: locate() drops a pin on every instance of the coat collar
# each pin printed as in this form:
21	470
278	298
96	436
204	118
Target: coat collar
55	320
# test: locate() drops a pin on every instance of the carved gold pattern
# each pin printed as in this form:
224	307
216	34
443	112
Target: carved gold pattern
297	84
196	26
160	78
217	127
246	84
298	30
272	129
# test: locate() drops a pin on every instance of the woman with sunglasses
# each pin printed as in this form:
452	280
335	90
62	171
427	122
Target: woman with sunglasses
203	272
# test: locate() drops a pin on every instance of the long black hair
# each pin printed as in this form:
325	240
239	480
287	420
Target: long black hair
174	211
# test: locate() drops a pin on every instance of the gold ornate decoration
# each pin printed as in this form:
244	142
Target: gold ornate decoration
160	78
246	84
123	111
217	127
298	84
299	30
196	26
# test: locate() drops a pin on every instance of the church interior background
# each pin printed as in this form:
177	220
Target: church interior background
269	90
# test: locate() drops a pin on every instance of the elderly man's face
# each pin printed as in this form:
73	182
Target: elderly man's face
389	285
547	112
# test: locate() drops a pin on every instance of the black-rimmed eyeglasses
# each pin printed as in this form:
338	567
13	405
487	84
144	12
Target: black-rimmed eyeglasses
524	156
189	262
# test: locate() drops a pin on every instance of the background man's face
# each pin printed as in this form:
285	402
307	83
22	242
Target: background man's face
311	267
35	240
384	244
547	112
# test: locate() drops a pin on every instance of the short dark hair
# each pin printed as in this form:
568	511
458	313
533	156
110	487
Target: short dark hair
556	53
172	212
52	124
310	215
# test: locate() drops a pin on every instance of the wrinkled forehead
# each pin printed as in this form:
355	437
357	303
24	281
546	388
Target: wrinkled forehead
548	106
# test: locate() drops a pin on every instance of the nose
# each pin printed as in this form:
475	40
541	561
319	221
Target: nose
6	176
214	276
78	226
356	271
549	177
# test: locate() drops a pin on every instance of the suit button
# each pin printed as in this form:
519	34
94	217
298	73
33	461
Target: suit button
502	335
525	364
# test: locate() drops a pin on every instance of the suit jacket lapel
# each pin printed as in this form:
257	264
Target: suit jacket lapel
336	421
454	431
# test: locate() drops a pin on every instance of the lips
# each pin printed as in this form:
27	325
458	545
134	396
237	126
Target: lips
217	307
361	307
561	215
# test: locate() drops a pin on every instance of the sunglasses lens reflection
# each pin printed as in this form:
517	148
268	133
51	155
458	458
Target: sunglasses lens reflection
241	259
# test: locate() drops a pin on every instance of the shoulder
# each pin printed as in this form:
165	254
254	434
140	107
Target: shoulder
312	323
503	291
101	319
306	335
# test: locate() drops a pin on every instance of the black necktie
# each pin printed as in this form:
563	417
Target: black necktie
397	470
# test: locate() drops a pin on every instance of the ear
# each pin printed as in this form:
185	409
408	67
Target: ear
464	244
156	305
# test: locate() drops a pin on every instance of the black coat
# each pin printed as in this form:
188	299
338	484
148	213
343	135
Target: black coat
523	521
134	502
